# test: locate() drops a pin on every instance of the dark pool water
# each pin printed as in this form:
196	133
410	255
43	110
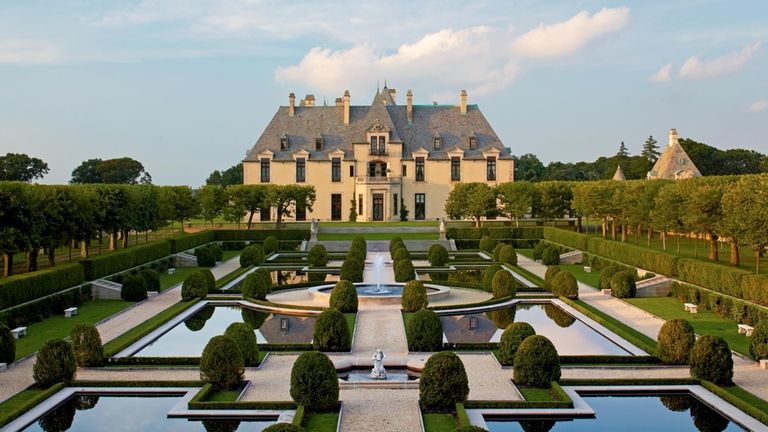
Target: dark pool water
188	338
569	335
130	414
673	413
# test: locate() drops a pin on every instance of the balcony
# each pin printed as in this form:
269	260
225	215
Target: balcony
377	151
377	180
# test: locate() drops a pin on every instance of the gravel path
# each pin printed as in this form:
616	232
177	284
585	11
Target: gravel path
488	380
380	410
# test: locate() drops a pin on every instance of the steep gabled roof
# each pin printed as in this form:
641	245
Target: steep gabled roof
674	163
619	174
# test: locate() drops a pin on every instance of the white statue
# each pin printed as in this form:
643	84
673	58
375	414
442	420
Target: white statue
313	226
378	371
442	229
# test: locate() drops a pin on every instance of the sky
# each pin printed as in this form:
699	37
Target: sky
187	86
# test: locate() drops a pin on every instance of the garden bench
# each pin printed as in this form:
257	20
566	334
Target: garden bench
746	330
690	307
19	332
587	269
70	312
607	291
171	271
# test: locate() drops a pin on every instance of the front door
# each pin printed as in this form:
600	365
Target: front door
336	207
378	207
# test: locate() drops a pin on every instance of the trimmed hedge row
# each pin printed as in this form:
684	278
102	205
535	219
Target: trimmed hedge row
498	233
107	264
16	290
567	238
713	276
191	241
735	309
45	307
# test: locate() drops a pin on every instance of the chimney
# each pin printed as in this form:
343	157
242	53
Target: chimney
339	103
309	100
672	137
393	93
409	106
346	106
291	104
463	101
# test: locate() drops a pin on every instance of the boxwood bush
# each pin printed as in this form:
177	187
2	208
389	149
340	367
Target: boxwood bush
245	340
488	275
218	252
314	382
503	285
352	270
344	297
55	363
394	243
134	288
549	274
331	332
606	275
254	286
414	296
318	256
487	244
425	331
536	363
511	339
195	286
222	364
401	254
758	346
151	278
443	382
438	255
710	359
252	255
564	284
7	345
675	341
205	257
623	285
508	255
210	279
550	255
270	245
497	251
539	249
86	345
404	271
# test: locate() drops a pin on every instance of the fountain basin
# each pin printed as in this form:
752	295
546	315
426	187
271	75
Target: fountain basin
363	374
371	293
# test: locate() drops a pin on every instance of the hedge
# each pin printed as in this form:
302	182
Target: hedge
655	261
106	264
497	233
567	238
717	277
724	306
288	238
22	288
44	307
191	241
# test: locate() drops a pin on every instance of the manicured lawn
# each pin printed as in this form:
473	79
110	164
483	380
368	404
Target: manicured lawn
112	347
230	276
377	236
577	270
169	280
434	422
531	394
351	317
321	422
704	322
223	396
90	312
16	402
229	254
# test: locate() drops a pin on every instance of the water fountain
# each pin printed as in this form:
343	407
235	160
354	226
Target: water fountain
378	269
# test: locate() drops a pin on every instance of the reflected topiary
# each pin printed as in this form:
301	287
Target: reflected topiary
7	345
270	245
318	256
676	403
245	339
443	382
549	274
758	346
504	285
283	427
134	288
425	331
222	364
564	284
536	363
623	284
502	317
488	274
707	419
606	275
218	252
331	332
85	402
205	257
254	318
511	339
251	255
344	297
195	286
197	321
438	255
711	360
60	418
675	341
404	271
550	255
508	255
55	363
314	382
401	254
487	244
86	345
151	278
537	425
560	317
352	270
414	296
220	425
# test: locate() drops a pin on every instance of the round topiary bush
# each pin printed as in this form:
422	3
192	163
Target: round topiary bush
314	382
539	249
508	255
424	331
487	244
606	275
503	285
134	288
7	345
251	255
205	257
344	297
438	255
404	271
356	254
758	346
195	286
623	284
266	279
550	255
676	339
497	251
710	359
443	382
222	363
270	245
536	363
245	340
331	332
283	427
254	286
86	345
218	252
414	296
352	270
401	254
359	242
396	241
55	363
511	339
488	275
210	279
318	256
549	274
151	278
564	284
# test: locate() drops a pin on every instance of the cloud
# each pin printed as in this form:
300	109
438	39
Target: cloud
26	52
663	75
758	106
569	36
696	69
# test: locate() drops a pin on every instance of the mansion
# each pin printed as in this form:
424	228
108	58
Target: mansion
374	156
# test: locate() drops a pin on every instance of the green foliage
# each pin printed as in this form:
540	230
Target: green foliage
86	345
567	238
606	275
551	272
487	244
636	256
508	255
134	288
356	254
21	167
245	340
511	339
564	284
488	275
218	252
438	255
190	241
331	332
318	256
314	382
252	255
205	257
470	428
394	243
55	363
344	297
443	382
539	249
210	279
404	271
424	331
713	276
270	245
7	345
195	286
473	200
352	270
536	363
503	285
401	254
710	359
151	278
550	255
675	341
222	364
25	287
254	286
758	346
623	285
283	427
106	264
497	251
470	237
414	296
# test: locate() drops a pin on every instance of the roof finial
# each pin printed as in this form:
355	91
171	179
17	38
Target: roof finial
385	83
377	87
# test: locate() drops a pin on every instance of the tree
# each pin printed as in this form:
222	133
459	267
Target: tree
650	149
20	167
212	201
250	198
553	200
121	170
667	213
230	176
15	219
352	210
623	152
528	167
179	203
703	210
287	198
516	199
475	200
403	211
744	205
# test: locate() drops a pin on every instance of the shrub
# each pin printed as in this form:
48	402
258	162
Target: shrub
356	254
563	284
511	339
245	340
314	382
205	257
318	256
414	296
606	275
710	359
86	345
210	280
404	271
497	251
488	274
550	255
106	264
7	345
550	273
24	287
55	363
758	346
331	332
218	252
676	339
270	245
359	242
623	284
151	278
536	363
254	286
425	331
396	241
352	270
538	250
401	254
443	382
283	427
222	364
508	255
565	237
195	286
251	255
438	255
190	241
487	244
503	285
134	288
344	297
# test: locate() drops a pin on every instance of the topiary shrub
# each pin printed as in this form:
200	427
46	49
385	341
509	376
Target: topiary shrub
254	286
7	345
606	275
356	254
503	285
331	332
359	242
134	288
270	245
394	243
508	255
758	346
414	296
550	255
352	270
55	363
210	280
404	271
424	331
443	382
401	254
438	255
536	363
222	363
497	251
314	382
245	340
318	256
266	279
487	244
511	339
549	274
488	274
218	252
195	286
251	255
151	278
344	297
205	257
538	250
623	285
283	427
710	359
676	339
564	284
86	345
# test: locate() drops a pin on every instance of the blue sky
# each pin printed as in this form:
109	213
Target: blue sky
186	86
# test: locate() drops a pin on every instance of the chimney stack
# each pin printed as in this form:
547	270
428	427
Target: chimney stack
291	104
672	137
463	101
309	100
409	106
346	106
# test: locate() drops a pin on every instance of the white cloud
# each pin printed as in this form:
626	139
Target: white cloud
28	52
758	106
663	75
569	36
729	63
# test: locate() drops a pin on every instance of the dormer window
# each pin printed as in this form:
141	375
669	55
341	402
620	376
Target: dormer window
378	144
473	143
319	144
437	142
284	143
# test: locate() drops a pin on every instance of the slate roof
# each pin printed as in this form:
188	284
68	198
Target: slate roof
674	163
309	123
619	174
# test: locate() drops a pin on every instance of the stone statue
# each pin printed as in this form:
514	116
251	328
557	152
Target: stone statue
313	226
442	229
378	371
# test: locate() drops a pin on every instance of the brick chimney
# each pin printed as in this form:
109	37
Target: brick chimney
309	100
672	137
291	104
346	106
409	106
463	101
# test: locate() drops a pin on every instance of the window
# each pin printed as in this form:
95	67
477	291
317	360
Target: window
374	145
301	170
351	170
265	213
265	170
318	144
336	169
283	143
419	169
395	203
336	207
420	207
301	211
455	168
360	204
437	142
382	145
490	168
472	143
405	170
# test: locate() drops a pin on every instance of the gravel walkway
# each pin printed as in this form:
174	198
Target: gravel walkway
488	380
380	410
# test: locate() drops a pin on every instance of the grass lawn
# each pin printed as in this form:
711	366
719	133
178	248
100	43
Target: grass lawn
232	275
531	394
351	317
434	422
169	280
377	236
229	254
703	322
115	345
16	402
577	270
380	224
90	312
321	422
223	396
